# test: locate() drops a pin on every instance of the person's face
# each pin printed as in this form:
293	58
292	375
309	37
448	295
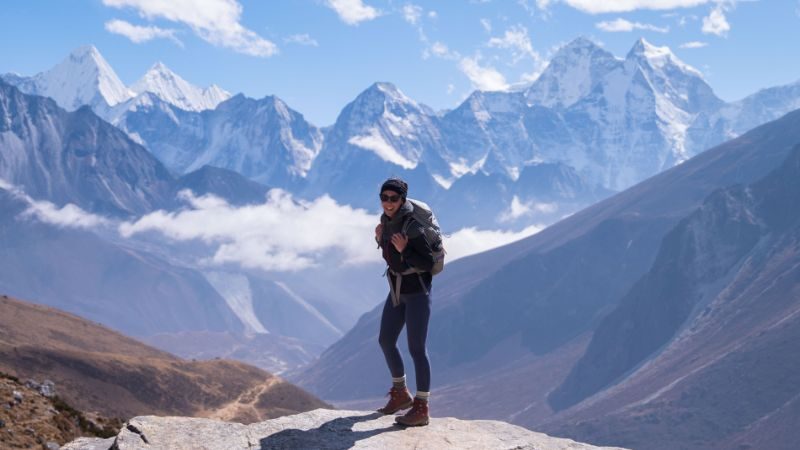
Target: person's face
390	201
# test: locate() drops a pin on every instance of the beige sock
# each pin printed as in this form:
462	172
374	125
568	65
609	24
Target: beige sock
422	395
399	382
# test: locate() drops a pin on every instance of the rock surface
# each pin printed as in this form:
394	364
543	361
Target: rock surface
324	429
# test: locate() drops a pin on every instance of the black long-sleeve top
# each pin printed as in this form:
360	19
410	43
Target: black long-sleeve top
417	254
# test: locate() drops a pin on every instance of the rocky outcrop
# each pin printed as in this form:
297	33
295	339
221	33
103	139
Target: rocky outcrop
324	429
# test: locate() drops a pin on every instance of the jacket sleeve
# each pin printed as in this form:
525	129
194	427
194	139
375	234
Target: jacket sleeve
418	253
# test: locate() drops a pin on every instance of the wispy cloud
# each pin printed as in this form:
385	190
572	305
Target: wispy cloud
302	39
353	12
601	7
470	241
281	234
412	13
519	209
487	25
484	78
440	50
67	216
515	39
694	44
716	22
139	34
215	21
623	25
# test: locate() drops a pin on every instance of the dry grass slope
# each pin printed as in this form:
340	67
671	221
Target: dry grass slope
98	370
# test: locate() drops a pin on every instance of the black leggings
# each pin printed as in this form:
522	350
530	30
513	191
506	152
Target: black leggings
414	310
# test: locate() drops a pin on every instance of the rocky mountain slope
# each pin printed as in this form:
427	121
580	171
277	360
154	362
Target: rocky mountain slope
33	415
707	331
99	370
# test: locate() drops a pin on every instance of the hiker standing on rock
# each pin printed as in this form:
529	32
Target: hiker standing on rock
410	258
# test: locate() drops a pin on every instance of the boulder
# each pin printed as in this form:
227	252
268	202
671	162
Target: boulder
324	429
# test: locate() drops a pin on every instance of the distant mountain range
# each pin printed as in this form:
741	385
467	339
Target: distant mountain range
666	308
608	122
142	288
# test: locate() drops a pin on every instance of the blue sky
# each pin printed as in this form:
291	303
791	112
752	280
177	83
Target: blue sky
317	55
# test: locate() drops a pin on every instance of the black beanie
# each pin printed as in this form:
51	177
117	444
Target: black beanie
396	185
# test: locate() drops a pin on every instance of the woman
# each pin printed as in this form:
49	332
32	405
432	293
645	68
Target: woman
410	259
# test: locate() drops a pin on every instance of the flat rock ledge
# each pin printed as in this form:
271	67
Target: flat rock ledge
324	429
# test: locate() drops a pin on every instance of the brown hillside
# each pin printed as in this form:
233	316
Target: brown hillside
98	370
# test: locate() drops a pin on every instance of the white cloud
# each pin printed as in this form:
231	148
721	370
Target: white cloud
482	78
284	234
302	39
412	13
139	34
518	209
622	25
215	21
716	22
353	12
618	6
450	88
469	241
280	234
68	216
694	44
487	25
516	39
433	15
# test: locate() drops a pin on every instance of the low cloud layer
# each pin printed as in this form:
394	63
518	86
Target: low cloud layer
67	216
284	234
281	234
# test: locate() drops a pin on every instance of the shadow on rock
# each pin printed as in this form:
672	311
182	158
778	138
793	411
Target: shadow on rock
337	434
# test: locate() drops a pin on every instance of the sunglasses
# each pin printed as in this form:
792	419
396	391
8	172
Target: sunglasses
390	198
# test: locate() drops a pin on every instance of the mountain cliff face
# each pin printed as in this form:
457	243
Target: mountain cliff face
705	332
76	157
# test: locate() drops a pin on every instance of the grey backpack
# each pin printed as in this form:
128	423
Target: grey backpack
424	216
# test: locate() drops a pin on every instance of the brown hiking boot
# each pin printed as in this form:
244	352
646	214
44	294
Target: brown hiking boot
399	398
416	416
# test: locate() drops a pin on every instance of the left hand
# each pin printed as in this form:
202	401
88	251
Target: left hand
399	241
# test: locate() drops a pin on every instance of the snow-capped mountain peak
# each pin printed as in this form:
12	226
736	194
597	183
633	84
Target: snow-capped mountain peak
82	78
659	57
171	88
572	72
